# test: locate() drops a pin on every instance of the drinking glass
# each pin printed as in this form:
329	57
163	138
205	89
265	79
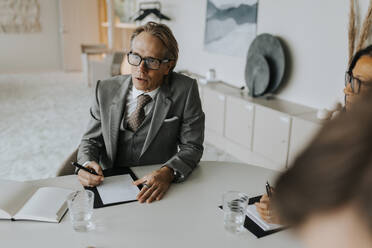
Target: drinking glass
234	207
80	205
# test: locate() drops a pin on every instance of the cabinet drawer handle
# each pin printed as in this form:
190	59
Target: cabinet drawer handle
284	119
248	107
221	97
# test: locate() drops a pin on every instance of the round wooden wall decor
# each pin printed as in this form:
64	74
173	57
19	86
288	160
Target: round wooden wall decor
271	49
257	74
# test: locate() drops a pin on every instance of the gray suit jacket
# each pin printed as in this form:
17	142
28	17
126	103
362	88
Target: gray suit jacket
177	101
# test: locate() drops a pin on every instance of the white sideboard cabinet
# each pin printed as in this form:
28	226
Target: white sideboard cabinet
239	121
214	107
304	127
271	134
258	131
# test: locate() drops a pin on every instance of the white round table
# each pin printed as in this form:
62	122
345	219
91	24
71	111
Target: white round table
188	216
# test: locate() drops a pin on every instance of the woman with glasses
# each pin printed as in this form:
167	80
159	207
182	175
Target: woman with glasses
326	194
358	82
358	78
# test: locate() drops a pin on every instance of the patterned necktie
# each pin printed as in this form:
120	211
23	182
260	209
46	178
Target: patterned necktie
136	118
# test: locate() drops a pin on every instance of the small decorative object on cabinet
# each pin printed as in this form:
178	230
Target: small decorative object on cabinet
257	74
270	49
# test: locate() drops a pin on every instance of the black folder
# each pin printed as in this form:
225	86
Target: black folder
253	227
107	173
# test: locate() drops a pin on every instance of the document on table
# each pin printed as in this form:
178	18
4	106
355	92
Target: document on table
255	216
117	189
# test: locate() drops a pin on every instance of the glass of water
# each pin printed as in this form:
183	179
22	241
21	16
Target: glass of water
80	206
234	208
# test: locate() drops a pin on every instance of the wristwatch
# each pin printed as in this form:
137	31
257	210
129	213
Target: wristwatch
176	175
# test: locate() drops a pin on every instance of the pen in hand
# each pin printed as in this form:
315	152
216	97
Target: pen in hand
91	171
268	189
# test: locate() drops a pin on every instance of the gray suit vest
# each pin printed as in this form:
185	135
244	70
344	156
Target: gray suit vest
130	143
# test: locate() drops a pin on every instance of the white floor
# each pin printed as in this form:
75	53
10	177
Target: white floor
42	119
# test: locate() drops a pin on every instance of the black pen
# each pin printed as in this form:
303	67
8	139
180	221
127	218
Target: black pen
268	189
91	171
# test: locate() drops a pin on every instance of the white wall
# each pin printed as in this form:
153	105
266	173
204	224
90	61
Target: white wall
33	51
315	33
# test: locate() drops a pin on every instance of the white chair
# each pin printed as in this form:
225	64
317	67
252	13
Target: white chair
66	168
91	53
108	67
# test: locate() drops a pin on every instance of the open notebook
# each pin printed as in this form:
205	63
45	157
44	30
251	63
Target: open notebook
22	201
255	224
255	216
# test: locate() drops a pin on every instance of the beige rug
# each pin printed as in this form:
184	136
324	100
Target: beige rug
42	119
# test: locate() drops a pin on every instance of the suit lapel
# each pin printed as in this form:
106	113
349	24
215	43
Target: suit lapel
161	108
116	114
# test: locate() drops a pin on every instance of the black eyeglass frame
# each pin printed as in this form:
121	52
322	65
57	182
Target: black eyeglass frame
350	79
160	61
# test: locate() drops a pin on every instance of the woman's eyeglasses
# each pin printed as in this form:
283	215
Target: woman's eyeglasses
355	83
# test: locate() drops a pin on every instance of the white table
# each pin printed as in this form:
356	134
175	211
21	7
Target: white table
187	216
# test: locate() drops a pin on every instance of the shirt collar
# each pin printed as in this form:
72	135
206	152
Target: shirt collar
136	93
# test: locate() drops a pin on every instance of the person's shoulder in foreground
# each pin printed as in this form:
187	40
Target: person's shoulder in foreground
358	83
326	194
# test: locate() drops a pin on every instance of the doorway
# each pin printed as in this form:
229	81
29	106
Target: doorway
79	24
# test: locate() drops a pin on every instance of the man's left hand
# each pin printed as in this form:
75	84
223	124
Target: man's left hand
155	185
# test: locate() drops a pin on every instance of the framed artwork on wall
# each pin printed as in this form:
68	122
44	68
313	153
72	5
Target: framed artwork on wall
230	26
19	16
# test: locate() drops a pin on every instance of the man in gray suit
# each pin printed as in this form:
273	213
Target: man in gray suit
153	116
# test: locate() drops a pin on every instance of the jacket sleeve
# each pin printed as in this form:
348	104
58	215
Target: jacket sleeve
191	136
92	144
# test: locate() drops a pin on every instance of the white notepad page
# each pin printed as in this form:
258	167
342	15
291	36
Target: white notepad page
117	189
45	205
255	216
13	196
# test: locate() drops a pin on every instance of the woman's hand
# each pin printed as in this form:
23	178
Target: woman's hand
265	210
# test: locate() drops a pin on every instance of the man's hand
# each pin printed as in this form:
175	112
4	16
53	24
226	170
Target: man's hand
89	180
264	209
155	185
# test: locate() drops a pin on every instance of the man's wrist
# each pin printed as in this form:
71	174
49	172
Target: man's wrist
86	163
170	172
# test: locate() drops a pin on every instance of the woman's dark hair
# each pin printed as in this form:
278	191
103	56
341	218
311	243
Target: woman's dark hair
334	171
358	55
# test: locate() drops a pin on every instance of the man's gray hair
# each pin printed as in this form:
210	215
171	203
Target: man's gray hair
164	34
